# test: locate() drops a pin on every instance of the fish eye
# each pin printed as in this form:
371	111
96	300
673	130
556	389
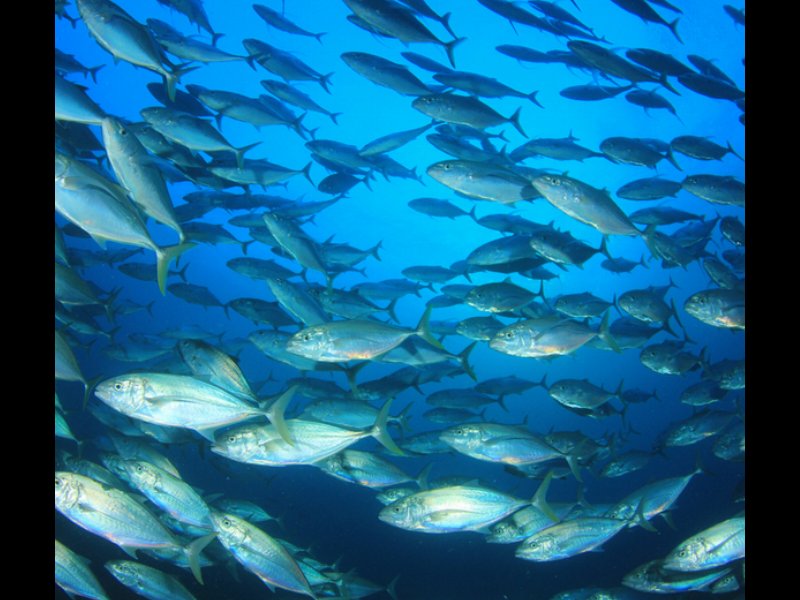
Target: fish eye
226	522
139	469
58	481
231	439
306	337
118	386
509	335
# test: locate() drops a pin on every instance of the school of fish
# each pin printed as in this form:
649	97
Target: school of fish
361	359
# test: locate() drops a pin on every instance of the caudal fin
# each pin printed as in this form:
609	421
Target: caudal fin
163	257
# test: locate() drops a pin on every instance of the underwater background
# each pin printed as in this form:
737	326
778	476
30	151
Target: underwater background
338	521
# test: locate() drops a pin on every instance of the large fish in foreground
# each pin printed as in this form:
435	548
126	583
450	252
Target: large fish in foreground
183	401
101	208
118	517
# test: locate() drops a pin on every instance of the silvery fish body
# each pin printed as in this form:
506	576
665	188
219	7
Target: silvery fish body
147	581
652	577
571	537
109	513
138	174
651	499
73	575
585	203
169	493
499	443
716	546
260	553
216	367
74	105
718	307
364	468
176	400
448	509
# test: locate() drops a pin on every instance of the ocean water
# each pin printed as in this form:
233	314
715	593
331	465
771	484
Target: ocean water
339	521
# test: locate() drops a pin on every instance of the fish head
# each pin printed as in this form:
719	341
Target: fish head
465	436
310	342
501	533
403	513
68	490
549	185
125	393
231	530
141	473
124	571
537	547
688	556
116	464
513	339
237	444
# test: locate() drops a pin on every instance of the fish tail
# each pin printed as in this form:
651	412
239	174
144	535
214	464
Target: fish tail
275	414
93	72
390	589
732	151
297	125
539	499
240	153
246	245
603	249
462	359
319	36
514	120
671	158
424	331
306	171
605	334
351	373
380	432
171	79
325	81
449	47
375	248
390	309
193	551
445	21
673	27
182	273
88	386
164	256
402	419
215	38
334	116
532	98
472	212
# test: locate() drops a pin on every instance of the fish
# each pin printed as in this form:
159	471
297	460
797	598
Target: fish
398	22
137	174
283	64
669	358
101	208
260	553
73	104
73	575
306	442
183	401
644	11
117	517
451	508
585	203
126	39
538	338
147	581
353	339
278	21
385	73
483	181
719	189
651	577
718	307
569	538
190	131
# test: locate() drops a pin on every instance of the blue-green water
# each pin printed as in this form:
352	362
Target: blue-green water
337	520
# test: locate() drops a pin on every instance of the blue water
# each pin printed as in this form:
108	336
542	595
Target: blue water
338	520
